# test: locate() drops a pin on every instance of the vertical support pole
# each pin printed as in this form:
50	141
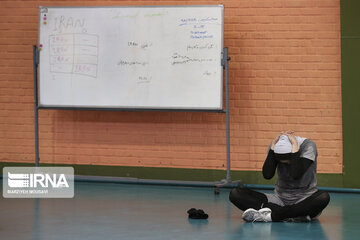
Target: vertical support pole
36	109
225	65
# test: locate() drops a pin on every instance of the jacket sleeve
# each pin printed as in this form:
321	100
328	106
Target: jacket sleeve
299	165
270	165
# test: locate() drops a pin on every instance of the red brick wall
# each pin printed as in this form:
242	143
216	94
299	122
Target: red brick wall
284	74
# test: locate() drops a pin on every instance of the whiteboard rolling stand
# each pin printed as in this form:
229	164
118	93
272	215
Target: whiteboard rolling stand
36	106
224	62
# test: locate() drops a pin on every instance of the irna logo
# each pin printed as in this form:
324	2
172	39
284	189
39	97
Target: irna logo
38	182
18	180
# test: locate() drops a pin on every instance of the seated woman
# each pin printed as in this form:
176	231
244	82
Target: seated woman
296	197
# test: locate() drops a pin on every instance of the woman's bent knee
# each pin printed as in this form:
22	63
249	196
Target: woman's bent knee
234	195
324	198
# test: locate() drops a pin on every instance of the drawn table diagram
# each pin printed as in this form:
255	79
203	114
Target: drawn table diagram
75	53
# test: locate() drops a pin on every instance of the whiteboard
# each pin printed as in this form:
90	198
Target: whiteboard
160	57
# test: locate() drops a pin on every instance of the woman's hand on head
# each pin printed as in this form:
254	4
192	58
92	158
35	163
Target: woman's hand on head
294	142
276	139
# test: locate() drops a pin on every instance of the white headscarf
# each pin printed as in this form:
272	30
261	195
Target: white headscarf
284	145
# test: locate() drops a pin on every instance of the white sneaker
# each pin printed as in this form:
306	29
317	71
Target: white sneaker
252	215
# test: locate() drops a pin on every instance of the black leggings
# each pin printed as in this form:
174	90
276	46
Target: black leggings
312	206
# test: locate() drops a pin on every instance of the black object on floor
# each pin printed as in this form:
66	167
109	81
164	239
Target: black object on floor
197	214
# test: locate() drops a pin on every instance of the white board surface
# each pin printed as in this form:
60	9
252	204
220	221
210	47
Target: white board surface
131	57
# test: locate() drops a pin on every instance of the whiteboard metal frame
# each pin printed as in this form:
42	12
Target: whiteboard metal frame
224	62
136	109
124	108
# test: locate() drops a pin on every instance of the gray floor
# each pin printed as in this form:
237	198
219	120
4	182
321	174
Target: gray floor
118	211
